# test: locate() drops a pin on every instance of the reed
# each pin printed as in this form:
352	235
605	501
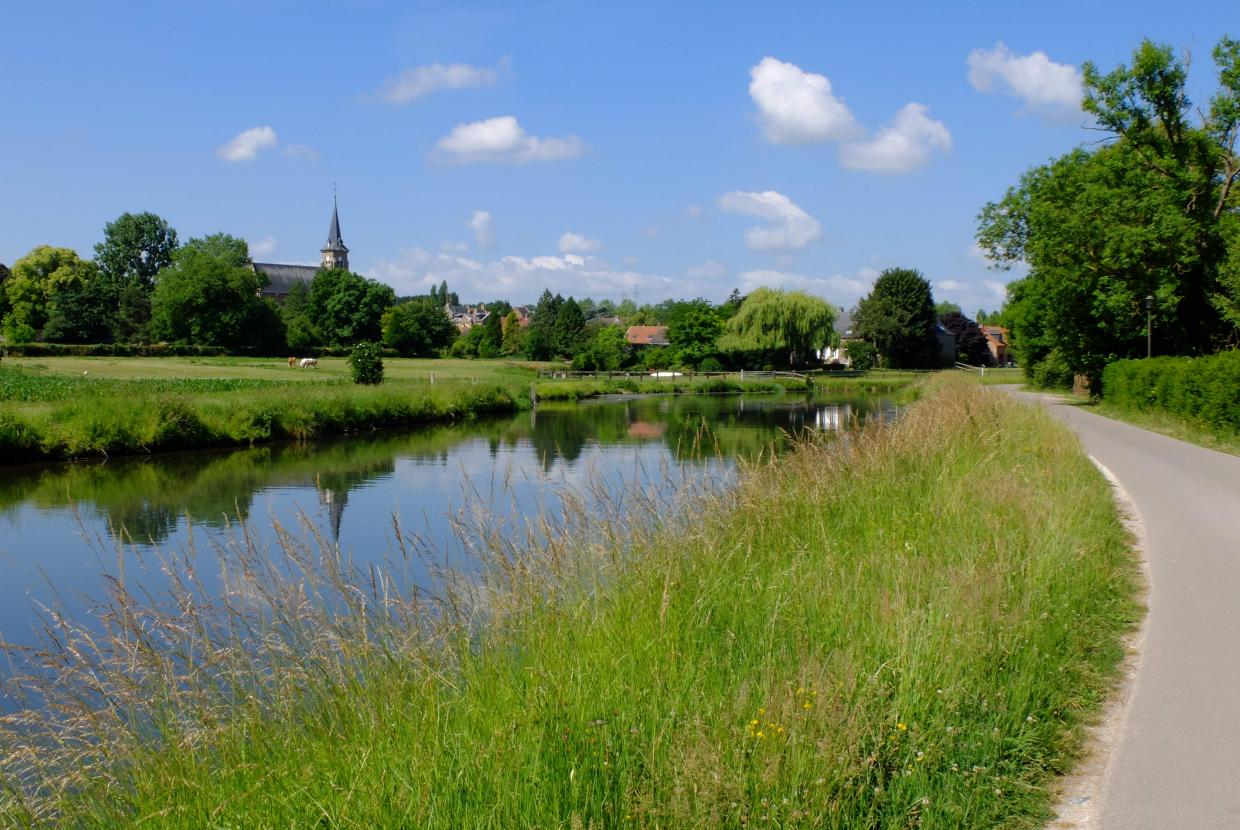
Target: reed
906	628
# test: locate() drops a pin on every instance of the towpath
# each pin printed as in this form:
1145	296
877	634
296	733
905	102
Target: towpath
1176	761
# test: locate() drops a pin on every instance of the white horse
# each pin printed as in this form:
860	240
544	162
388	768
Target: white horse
309	363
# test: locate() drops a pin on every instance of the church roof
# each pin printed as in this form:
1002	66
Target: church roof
280	278
334	242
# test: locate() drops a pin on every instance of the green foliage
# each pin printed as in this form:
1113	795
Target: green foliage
1150	214
513	342
417	328
366	364
209	296
862	354
33	283
569	328
897	316
1051	372
540	341
790	324
693	331
347	308
298	318
1205	390
605	350
80	311
4	297
135	248
710	364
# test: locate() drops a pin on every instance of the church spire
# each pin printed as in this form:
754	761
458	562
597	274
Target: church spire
335	254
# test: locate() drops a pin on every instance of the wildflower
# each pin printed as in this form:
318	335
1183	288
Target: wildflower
761	711
761	734
903	727
805	705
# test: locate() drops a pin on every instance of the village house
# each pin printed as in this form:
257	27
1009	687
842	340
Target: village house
646	336
997	341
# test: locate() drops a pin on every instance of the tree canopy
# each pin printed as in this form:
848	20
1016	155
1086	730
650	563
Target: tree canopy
417	328
1151	213
790	324
34	282
897	316
347	308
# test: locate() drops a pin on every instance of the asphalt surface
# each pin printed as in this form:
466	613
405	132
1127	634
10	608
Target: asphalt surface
1176	762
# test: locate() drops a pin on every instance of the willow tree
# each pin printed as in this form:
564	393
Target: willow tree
790	323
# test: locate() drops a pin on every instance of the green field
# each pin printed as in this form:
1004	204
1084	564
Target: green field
907	629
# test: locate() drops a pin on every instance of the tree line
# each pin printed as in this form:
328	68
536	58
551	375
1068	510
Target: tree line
1150	212
144	286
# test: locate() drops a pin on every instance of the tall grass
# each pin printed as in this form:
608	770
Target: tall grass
901	629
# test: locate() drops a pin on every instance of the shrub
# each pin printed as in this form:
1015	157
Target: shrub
366	363
710	364
1205	389
1051	372
862	354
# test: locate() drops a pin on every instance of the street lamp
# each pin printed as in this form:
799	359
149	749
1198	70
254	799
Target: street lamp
1149	325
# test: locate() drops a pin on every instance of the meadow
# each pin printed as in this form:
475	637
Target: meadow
908	628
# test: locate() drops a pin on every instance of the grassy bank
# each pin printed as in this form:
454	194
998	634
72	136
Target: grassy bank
901	630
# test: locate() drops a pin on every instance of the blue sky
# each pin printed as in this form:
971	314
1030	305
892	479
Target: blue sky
640	149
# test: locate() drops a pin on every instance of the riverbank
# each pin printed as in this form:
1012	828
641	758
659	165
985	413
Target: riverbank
54	409
903	629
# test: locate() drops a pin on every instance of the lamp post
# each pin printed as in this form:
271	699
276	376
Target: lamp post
1149	325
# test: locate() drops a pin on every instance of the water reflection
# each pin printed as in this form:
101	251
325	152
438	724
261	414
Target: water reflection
351	487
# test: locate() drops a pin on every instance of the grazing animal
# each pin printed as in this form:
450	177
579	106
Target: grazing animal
309	363
292	361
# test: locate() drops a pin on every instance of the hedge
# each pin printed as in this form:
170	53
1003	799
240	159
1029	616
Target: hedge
1205	389
167	350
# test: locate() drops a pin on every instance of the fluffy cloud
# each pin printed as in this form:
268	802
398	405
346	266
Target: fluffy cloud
263	248
1043	85
246	145
789	227
575	243
837	288
903	145
522	279
480	224
501	140
412	84
952	286
798	107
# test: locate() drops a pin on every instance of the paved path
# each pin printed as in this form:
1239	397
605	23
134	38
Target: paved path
1177	760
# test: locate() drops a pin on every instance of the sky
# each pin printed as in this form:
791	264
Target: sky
625	150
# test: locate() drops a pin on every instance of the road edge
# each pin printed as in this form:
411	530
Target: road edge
1078	805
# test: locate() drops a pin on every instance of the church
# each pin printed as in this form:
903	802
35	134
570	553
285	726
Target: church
281	278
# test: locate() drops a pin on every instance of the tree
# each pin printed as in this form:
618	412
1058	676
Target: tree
417	328
1153	213
540	338
897	316
366	363
80	311
569	329
790	324
208	296
514	334
492	337
34	281
135	248
346	307
694	331
971	343
4	297
605	350
298	318
943	308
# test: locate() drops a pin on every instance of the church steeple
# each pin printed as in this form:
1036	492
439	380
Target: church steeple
335	254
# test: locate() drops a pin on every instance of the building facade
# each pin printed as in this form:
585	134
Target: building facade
280	278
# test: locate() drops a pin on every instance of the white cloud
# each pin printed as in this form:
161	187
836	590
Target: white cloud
480	224
952	286
501	140
998	290
263	248
798	107
302	151
412	84
575	243
1043	85
837	288
522	279
903	145
246	145
453	246
790	227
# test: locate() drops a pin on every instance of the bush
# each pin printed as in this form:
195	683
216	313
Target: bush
1051	372
366	363
710	364
862	354
1204	389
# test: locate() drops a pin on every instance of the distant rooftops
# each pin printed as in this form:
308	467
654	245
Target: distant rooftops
646	335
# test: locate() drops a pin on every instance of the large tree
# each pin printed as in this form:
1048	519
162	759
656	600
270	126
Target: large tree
4	297
788	325
135	248
347	307
208	296
971	343
418	328
1153	212
897	316
34	282
693	331
540	337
